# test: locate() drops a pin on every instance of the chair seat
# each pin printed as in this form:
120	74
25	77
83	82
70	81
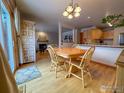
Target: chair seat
61	60
60	63
76	63
79	58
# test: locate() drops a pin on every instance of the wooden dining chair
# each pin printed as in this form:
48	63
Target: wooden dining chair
74	45
82	65
57	63
54	45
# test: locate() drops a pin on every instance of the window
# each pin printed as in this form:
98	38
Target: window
1	34
6	35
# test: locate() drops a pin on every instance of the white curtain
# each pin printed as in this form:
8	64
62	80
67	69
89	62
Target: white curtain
7	81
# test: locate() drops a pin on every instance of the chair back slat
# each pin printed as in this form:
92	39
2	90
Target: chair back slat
87	56
52	54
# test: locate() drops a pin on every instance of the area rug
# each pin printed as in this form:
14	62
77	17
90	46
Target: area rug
27	74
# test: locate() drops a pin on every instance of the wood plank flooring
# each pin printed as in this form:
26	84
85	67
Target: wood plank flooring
103	78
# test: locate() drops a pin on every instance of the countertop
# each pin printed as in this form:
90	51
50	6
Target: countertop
105	54
111	46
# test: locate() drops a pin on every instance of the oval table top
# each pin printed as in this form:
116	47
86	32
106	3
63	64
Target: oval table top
69	52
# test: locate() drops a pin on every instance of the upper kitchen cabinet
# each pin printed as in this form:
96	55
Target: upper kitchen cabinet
87	34
96	33
90	35
108	34
93	34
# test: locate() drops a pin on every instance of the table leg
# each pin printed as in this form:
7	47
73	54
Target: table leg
69	71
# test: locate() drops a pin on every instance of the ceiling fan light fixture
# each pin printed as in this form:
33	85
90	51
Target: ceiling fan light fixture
77	9
89	17
72	10
70	16
65	13
69	8
77	14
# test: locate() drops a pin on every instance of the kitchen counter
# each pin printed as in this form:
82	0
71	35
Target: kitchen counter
105	54
111	46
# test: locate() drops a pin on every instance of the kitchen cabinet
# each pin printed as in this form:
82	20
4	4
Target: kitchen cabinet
86	37
96	34
87	34
92	34
108	34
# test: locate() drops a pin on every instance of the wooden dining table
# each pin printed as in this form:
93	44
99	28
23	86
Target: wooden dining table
69	53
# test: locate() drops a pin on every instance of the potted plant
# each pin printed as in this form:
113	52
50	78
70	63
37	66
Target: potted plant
114	20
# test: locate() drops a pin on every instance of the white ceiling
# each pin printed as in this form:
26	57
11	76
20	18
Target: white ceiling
51	10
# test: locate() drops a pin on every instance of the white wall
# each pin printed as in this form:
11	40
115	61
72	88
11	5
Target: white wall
46	34
50	36
44	31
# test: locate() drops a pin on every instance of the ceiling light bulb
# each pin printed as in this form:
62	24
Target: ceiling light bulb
69	9
88	17
70	16
110	24
77	9
65	13
77	14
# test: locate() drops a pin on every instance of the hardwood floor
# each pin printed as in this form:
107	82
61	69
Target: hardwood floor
103	77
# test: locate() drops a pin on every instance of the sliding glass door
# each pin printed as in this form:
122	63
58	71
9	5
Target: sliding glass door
6	35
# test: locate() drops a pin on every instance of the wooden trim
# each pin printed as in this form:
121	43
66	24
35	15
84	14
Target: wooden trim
9	4
81	38
13	3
